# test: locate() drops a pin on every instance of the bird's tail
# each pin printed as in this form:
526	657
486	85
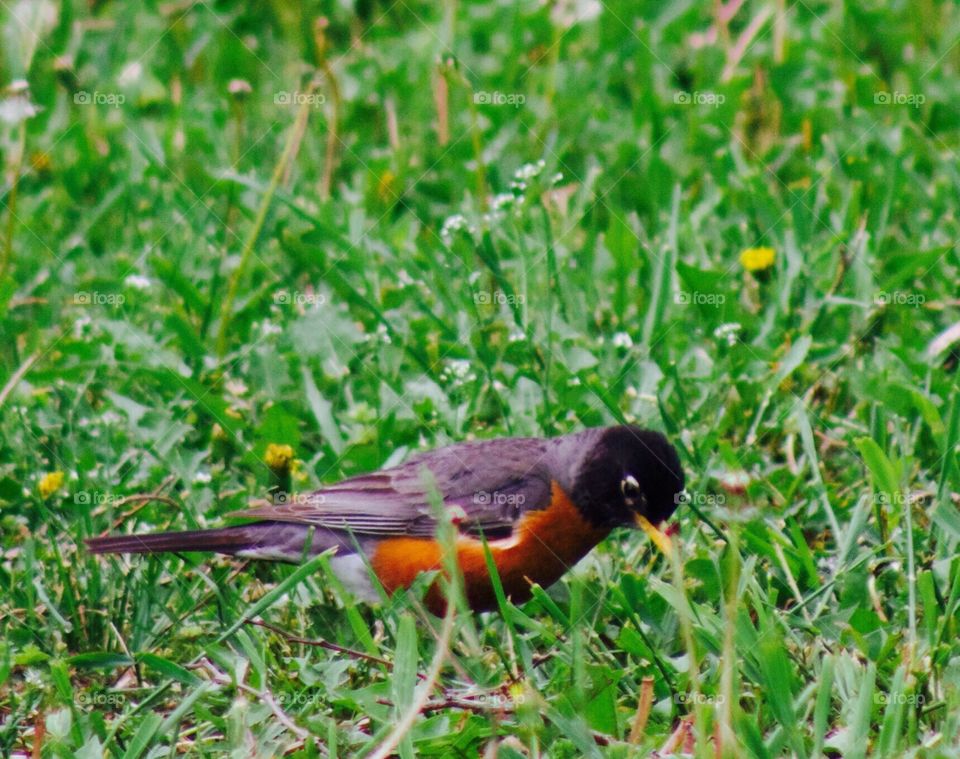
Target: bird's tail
259	540
223	540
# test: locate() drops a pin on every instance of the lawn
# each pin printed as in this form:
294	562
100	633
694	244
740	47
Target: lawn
367	229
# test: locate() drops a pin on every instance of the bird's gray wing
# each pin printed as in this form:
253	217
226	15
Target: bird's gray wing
487	485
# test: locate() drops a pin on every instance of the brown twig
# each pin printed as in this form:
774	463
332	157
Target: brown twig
18	375
320	643
143	499
333	113
643	710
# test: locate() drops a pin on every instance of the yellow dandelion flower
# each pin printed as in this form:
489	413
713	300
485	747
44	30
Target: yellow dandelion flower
757	259
278	456
50	483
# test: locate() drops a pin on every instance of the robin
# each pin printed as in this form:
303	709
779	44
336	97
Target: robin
540	505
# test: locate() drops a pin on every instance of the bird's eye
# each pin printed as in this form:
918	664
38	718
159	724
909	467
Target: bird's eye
630	487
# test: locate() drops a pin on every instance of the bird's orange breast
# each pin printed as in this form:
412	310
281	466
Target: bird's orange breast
545	544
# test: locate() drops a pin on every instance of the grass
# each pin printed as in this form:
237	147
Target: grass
226	225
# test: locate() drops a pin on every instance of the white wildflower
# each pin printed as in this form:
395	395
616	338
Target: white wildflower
137	281
529	170
728	332
130	73
453	224
269	328
459	367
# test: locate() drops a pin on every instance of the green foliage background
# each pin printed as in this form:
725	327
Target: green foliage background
490	219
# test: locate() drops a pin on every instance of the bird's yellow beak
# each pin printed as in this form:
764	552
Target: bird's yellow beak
660	539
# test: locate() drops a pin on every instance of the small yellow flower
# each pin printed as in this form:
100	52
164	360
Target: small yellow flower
757	259
386	185
50	483
40	161
299	473
278	456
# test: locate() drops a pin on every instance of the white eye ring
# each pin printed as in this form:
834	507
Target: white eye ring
629	487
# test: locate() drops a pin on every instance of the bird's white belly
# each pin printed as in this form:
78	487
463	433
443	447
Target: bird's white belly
354	573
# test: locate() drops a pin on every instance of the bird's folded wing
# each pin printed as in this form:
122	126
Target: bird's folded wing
487	486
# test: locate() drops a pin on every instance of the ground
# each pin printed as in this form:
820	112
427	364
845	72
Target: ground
363	230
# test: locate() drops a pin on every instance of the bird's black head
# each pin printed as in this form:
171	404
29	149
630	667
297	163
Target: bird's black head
629	472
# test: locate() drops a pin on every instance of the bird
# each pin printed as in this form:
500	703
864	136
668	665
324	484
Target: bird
535	505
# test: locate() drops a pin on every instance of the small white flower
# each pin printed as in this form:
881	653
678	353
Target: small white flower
459	367
239	87
130	73
236	387
202	478
16	109
269	328
529	170
734	481
622	340
137	281
728	332
569	13
453	224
